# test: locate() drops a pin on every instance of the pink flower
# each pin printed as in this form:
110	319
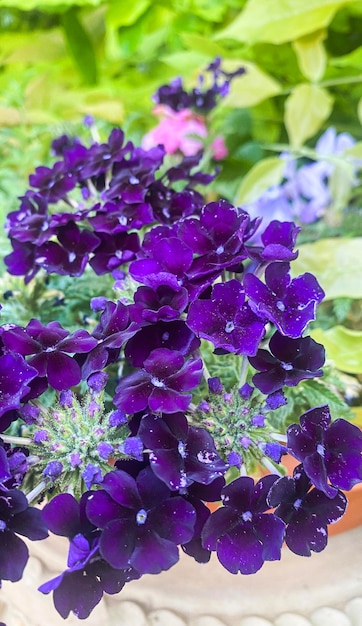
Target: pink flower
176	131
218	149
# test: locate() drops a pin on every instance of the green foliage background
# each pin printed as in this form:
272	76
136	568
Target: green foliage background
62	60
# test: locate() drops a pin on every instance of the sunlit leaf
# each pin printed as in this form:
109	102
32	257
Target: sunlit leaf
340	184
264	174
27	5
337	264
355	151
121	13
343	347
306	109
10	116
205	45
29	47
311	55
277	21
252	87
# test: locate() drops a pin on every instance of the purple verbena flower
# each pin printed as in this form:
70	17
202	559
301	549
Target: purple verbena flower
288	362
227	320
330	451
306	511
161	383
16	517
180	454
80	588
15	375
50	344
241	532
141	524
289	303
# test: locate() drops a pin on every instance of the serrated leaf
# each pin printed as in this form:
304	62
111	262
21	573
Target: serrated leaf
343	346
311	55
252	87
306	109
317	394
264	174
80	46
280	21
337	264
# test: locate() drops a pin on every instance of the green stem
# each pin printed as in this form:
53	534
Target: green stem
18	441
243	370
37	491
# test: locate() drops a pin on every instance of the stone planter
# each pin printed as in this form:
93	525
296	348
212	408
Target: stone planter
324	590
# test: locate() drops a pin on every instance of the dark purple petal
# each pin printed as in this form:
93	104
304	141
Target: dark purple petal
63	371
174	520
153	554
240	550
118	541
217	525
77	593
13	556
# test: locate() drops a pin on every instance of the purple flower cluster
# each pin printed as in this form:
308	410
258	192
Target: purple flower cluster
135	435
104	191
202	98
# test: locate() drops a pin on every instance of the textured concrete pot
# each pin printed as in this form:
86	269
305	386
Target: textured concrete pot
324	590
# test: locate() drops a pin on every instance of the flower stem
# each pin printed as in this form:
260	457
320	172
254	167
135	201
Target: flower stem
35	493
243	371
18	441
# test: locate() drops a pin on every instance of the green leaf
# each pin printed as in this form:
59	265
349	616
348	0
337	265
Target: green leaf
353	59
278	21
343	346
337	264
264	174
28	5
121	13
340	185
311	55
359	110
305	111
29	47
205	45
80	46
356	150
252	87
